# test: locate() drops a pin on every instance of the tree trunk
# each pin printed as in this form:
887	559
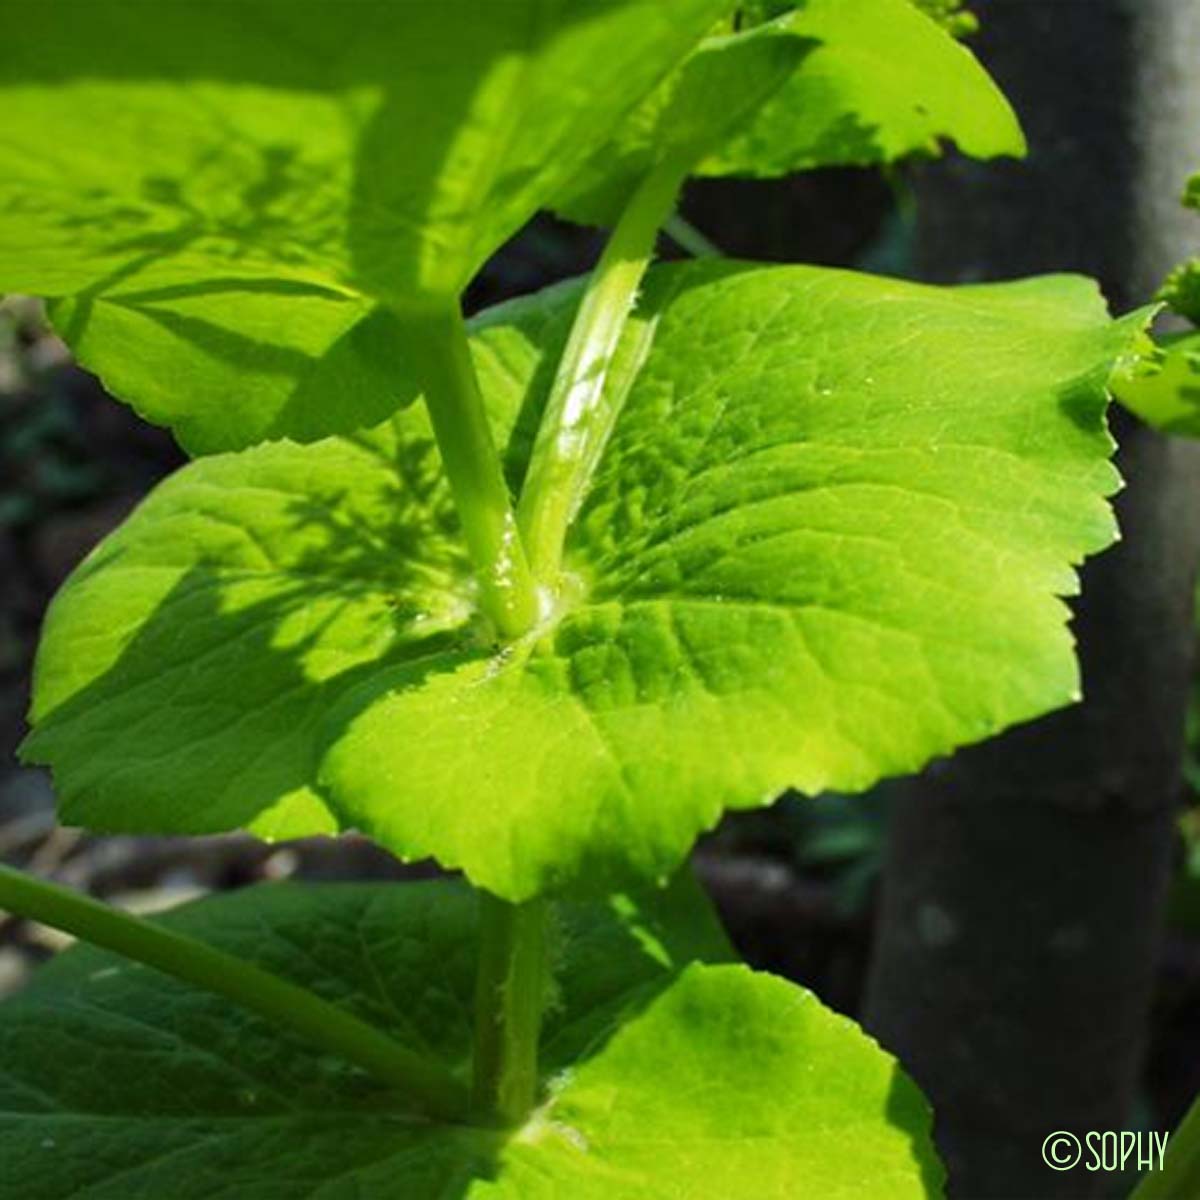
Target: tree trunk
1025	881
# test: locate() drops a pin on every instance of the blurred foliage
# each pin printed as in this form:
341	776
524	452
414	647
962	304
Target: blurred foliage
1183	906
951	15
842	837
892	251
1181	289
45	463
835	840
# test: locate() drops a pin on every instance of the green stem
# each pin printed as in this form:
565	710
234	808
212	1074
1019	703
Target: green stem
437	342
509	998
1180	1177
688	238
580	413
430	1086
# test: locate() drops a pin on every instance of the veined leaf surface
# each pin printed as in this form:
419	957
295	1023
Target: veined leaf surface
826	543
662	1076
883	81
223	192
832	83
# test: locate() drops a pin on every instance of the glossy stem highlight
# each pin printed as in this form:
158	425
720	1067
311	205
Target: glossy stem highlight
428	1085
580	415
509	998
437	343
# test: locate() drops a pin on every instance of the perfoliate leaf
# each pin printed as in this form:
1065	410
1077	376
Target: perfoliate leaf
210	648
824	545
1162	386
882	82
661	1078
224	191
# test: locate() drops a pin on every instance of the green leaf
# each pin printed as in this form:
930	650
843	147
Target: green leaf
824	545
205	640
698	106
210	634
266	172
883	82
1191	193
1162	384
1181	290
950	15
757	12
663	1076
833	83
230	364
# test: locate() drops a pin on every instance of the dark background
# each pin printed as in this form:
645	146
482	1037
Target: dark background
1083	822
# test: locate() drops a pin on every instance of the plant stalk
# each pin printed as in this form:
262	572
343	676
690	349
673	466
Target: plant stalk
437	342
509	999
427	1084
580	413
688	238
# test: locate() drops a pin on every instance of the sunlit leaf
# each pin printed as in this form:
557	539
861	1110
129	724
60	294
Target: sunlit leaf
224	192
661	1076
825	544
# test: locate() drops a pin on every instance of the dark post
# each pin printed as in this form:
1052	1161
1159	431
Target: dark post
1025	880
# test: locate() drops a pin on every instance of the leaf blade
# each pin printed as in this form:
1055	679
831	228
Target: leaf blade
1162	386
229	1107
828	84
884	82
257	149
806	560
